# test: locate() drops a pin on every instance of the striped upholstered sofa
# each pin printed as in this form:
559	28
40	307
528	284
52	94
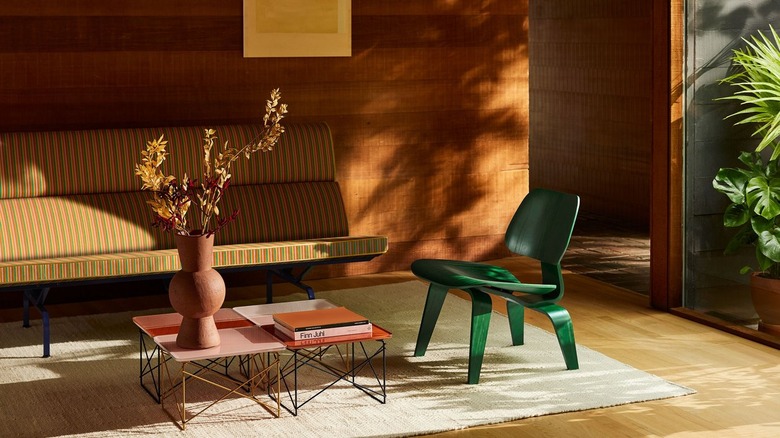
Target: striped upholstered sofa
71	209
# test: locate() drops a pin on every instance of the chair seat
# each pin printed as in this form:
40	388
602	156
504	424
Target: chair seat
457	274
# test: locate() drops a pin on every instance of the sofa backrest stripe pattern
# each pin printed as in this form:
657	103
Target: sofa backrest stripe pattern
103	161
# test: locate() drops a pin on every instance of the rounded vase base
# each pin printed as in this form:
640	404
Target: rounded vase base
198	333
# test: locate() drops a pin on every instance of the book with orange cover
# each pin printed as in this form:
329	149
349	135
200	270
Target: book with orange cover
330	332
319	319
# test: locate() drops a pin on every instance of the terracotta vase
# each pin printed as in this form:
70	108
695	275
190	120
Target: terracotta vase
197	292
766	300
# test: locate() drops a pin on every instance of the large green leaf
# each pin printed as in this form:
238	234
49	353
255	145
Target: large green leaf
731	182
736	215
769	245
764	262
759	224
763	196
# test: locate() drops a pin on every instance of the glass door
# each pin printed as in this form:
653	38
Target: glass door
713	284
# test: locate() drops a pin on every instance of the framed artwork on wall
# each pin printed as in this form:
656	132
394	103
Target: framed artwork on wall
297	28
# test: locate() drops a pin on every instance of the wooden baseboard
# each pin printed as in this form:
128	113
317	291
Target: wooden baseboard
727	326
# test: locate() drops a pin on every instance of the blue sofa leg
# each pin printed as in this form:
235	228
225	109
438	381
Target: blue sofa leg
38	297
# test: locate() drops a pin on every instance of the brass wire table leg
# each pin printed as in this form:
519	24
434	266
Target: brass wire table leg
258	373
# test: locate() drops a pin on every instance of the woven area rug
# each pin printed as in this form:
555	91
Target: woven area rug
90	386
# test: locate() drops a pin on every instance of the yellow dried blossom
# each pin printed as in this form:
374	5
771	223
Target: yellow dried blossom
172	199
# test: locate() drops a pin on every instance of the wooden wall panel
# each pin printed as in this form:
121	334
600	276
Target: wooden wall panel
429	114
591	103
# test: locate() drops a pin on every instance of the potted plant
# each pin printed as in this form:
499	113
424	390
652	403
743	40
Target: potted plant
197	291
754	188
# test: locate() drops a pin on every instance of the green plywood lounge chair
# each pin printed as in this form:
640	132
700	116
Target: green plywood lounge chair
540	229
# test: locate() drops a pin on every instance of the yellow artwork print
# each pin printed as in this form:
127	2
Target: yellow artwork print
299	16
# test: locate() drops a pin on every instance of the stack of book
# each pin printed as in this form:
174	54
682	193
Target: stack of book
321	323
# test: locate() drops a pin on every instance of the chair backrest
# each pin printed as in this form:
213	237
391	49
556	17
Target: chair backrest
541	227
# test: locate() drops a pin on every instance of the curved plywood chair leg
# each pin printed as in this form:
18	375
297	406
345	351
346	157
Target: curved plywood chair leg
481	309
564	330
516	314
436	295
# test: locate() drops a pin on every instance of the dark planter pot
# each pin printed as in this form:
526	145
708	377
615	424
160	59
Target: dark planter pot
766	299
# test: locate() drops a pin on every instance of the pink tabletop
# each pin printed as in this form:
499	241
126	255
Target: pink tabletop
234	342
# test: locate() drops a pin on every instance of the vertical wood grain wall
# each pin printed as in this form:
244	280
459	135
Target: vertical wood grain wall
591	103
429	114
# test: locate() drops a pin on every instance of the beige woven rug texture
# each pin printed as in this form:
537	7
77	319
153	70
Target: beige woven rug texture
90	386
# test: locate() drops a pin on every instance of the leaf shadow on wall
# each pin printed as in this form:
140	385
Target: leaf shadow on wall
437	159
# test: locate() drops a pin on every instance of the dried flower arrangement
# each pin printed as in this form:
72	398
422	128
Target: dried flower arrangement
172	198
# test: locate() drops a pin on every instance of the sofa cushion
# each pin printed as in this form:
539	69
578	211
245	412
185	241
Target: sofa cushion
147	263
